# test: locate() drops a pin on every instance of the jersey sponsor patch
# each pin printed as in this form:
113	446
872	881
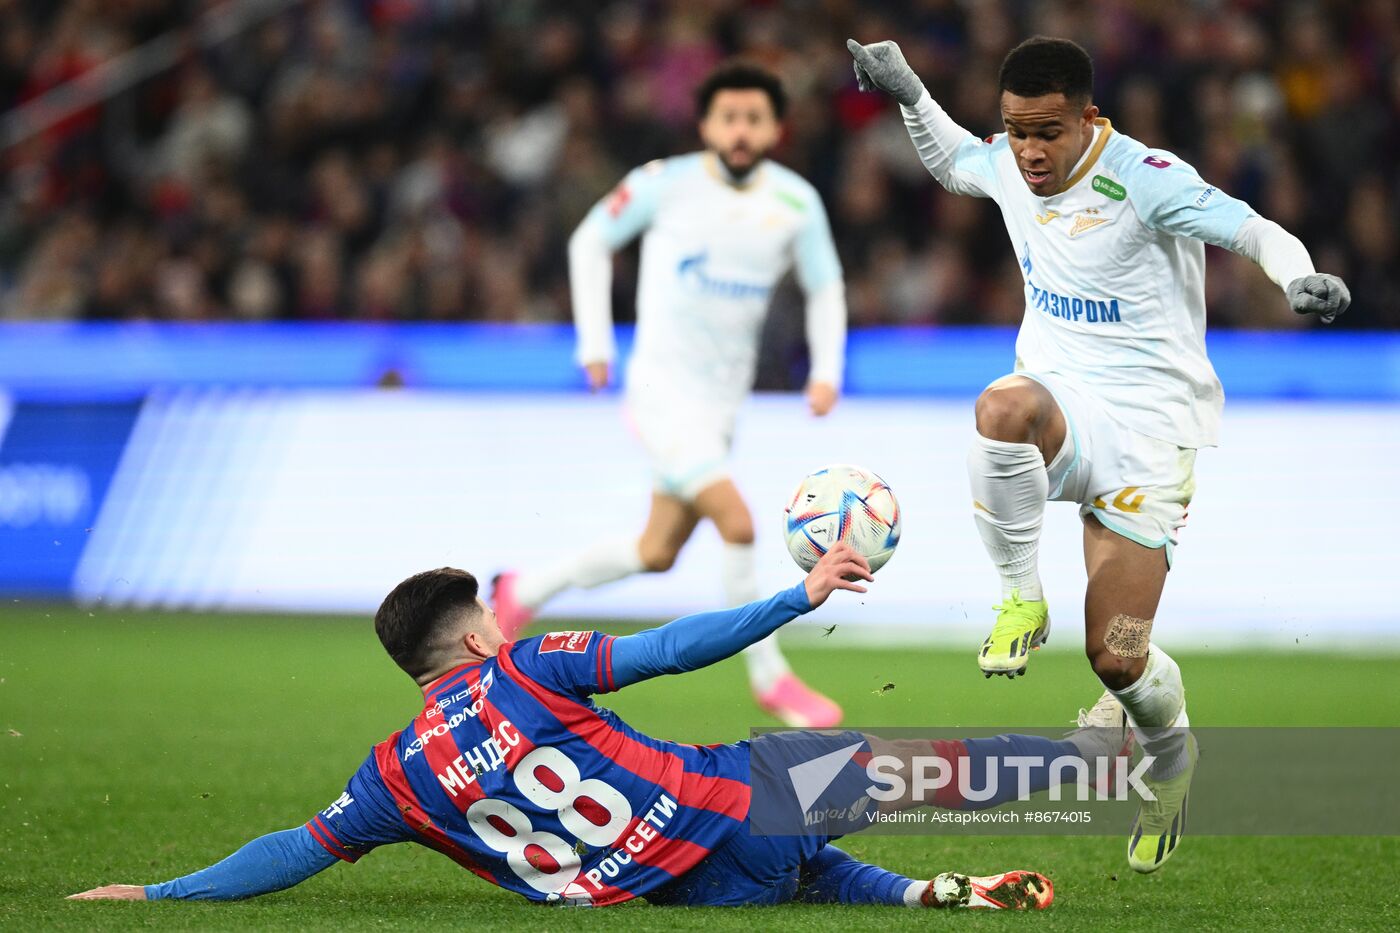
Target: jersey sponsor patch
1156	162
572	642
1109	188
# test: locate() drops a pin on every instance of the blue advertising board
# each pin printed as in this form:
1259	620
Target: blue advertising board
56	462
126	360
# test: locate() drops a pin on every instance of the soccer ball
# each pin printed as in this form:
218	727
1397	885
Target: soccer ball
842	503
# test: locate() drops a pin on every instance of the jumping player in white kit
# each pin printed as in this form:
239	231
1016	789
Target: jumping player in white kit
719	229
1112	392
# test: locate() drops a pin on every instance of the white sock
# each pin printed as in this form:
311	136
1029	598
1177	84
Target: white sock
765	659
740	575
766	664
1009	486
1156	705
604	562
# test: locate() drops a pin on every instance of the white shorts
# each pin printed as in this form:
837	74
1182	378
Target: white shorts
688	444
1135	485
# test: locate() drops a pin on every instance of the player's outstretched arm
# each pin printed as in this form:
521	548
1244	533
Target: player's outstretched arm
590	286
612	223
1285	259
268	863
819	273
951	154
1170	196
699	640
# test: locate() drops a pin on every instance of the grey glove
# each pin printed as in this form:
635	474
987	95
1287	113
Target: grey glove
882	65
1324	295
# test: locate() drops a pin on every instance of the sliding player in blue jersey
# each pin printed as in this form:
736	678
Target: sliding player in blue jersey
513	772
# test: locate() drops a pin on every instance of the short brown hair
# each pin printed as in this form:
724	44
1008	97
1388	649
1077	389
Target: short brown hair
418	610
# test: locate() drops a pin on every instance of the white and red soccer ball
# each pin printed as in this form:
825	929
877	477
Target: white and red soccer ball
842	503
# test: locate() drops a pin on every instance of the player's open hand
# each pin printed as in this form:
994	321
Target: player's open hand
597	375
111	892
821	397
1324	295
838	569
882	65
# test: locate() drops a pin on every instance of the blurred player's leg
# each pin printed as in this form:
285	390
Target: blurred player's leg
1020	428
765	660
1125	586
518	596
776	688
669	526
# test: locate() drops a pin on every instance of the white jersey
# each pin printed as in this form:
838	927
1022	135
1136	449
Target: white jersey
711	255
1114	271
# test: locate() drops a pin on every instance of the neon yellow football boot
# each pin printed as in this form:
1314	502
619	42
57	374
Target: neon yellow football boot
1021	625
1161	823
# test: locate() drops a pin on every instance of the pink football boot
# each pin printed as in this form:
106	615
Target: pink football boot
512	617
798	705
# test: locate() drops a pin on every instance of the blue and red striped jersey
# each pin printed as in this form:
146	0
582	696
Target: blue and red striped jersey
512	771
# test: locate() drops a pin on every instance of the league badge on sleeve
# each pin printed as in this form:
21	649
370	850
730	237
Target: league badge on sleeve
572	642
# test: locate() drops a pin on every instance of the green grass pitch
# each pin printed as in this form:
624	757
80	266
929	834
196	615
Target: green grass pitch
137	747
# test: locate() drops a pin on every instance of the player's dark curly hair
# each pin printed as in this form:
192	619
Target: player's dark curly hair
740	76
1042	65
417	610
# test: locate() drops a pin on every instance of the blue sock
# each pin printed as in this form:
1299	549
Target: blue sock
833	877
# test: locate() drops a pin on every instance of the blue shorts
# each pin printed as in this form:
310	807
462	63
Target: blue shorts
763	868
746	869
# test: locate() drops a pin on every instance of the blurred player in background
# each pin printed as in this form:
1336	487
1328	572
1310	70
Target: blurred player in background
719	229
1112	393
513	772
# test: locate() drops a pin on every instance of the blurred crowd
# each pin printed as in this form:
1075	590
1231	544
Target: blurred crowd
427	159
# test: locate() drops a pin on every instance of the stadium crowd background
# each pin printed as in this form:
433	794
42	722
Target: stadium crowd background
427	159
